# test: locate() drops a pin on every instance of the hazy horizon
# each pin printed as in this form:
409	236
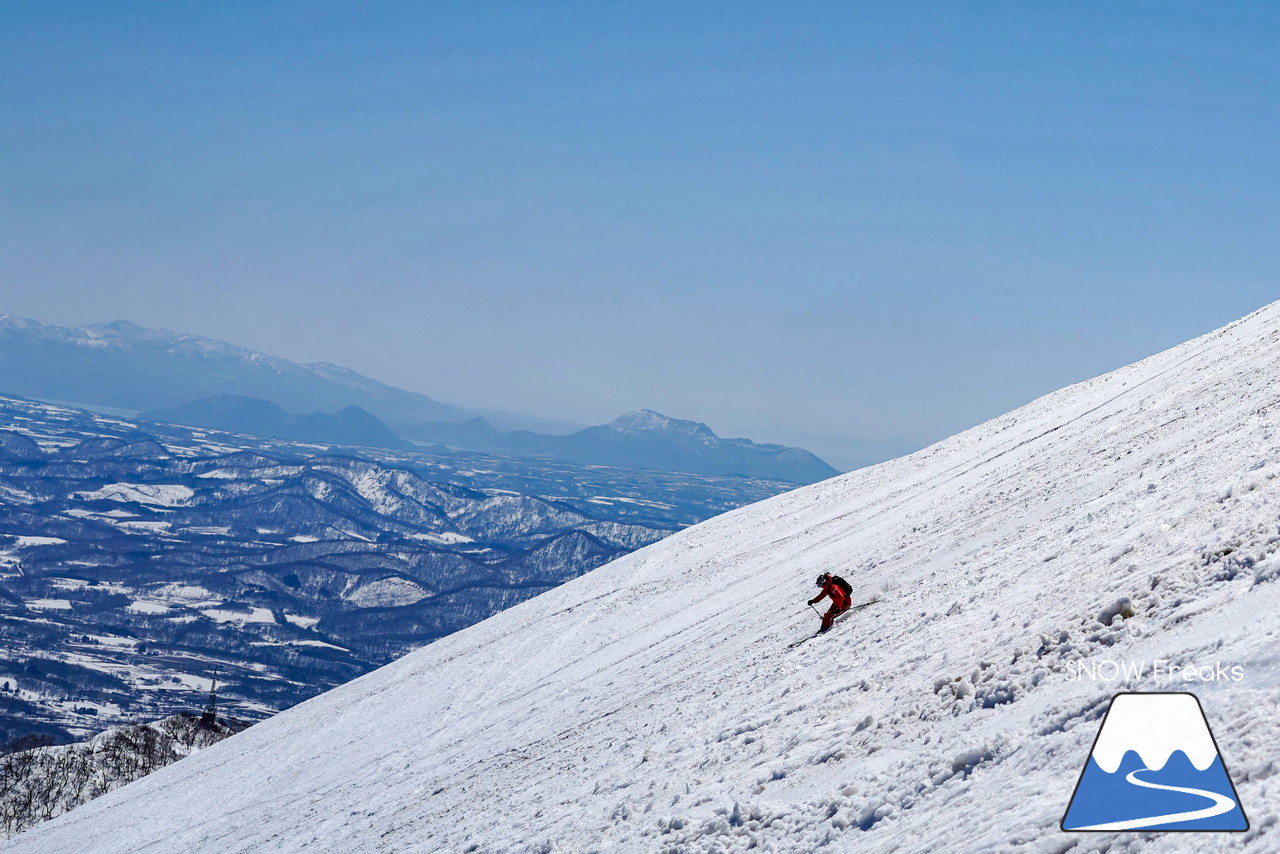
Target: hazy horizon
836	450
840	228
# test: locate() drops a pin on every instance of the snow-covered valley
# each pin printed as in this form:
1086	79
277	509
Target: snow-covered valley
654	705
137	559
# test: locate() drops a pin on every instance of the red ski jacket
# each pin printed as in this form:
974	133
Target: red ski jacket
838	597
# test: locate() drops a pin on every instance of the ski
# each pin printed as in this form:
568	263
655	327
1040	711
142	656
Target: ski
844	614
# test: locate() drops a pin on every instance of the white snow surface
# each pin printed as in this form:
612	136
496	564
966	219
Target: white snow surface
25	542
159	495
252	615
654	705
1154	726
386	593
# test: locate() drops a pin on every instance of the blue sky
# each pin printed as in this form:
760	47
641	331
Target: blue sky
859	227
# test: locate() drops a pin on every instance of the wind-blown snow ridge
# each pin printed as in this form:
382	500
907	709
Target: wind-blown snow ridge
653	705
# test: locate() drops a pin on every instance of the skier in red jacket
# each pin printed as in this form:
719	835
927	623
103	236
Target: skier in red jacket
833	586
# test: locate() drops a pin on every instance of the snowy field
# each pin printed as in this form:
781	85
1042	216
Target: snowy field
654	705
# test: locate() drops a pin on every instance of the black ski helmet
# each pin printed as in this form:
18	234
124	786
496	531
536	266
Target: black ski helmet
822	579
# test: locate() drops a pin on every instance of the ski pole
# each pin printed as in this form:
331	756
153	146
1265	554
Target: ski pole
815	610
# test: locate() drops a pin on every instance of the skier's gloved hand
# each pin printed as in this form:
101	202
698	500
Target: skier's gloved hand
811	601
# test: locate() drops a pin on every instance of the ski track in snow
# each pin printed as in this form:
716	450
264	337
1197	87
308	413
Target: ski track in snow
653	705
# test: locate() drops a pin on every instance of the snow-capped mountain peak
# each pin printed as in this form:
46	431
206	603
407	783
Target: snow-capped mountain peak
13	321
646	420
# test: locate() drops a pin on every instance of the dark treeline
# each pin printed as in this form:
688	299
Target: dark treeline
39	780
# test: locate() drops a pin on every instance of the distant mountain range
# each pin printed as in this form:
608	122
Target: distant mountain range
645	440
127	366
238	414
187	379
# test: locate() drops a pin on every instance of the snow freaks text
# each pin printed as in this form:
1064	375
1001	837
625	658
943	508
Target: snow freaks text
1160	670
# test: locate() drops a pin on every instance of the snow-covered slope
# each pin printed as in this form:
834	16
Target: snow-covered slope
654	705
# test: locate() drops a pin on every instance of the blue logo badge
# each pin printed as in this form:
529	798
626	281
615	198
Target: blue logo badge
1154	766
